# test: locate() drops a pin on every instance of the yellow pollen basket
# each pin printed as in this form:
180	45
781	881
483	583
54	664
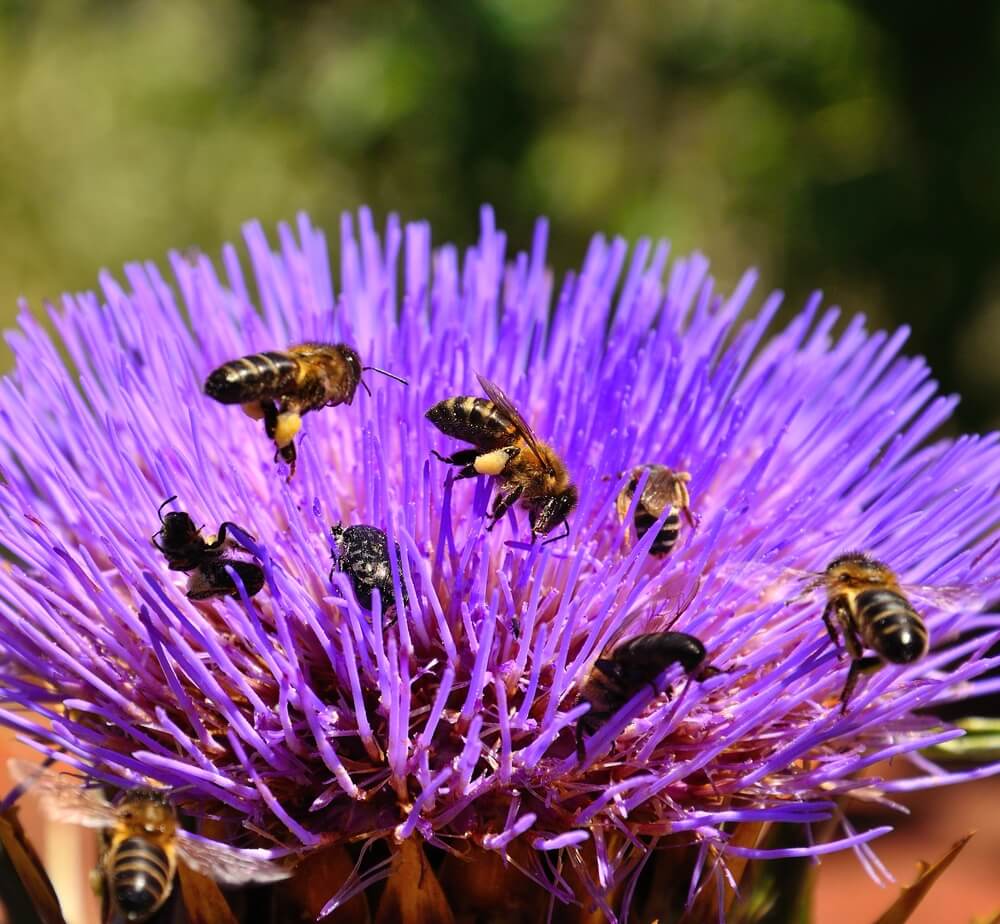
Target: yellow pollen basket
288	425
492	463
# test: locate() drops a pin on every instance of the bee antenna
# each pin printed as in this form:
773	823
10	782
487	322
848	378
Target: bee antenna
365	387
159	510
383	372
560	536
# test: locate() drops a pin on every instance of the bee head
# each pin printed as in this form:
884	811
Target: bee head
354	370
146	809
553	511
177	526
856	570
178	523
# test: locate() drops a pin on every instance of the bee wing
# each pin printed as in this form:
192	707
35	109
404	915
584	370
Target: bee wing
497	396
658	493
64	797
949	598
228	865
773	579
761	573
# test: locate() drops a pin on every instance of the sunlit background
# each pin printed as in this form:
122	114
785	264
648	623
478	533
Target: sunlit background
844	146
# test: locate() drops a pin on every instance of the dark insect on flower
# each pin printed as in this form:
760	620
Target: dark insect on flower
865	599
507	448
205	560
213	580
363	555
144	842
281	386
633	664
664	489
183	544
296	728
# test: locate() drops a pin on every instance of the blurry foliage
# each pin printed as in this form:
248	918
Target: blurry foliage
836	144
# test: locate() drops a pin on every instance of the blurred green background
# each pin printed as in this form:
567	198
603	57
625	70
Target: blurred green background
833	144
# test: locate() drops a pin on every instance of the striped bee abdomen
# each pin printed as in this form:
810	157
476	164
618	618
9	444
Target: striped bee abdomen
891	626
212	580
474	420
140	878
666	538
253	378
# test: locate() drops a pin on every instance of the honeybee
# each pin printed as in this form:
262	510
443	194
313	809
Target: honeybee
363	555
664	489
205	560
506	448
613	681
279	386
865	599
145	842
872	608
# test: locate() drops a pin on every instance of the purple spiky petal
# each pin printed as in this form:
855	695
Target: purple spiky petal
298	719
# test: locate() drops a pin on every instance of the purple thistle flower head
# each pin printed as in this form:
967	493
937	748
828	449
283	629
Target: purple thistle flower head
449	709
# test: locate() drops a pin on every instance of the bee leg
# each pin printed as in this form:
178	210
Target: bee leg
859	666
287	454
562	535
856	651
270	410
852	680
502	504
464	457
710	670
220	537
831	629
96	879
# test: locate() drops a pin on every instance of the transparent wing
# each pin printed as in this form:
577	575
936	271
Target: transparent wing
802	585
949	598
770	576
659	492
227	865
63	796
497	396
